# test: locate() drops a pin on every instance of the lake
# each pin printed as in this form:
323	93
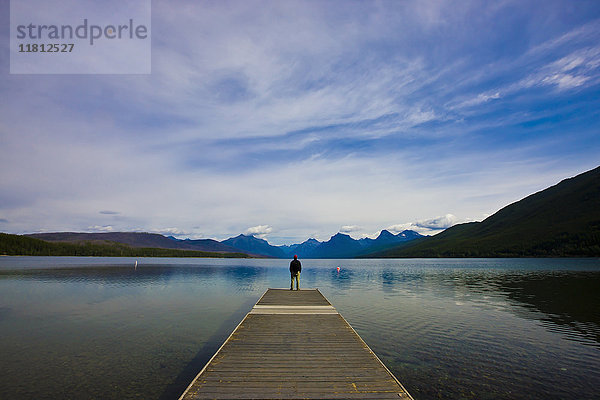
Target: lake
447	328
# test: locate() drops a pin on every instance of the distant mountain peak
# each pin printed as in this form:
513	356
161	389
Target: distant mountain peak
254	245
341	235
385	234
311	240
408	233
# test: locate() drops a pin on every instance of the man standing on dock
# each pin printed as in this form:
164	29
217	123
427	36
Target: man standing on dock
295	268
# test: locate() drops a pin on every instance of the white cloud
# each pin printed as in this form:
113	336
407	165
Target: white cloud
411	226
350	228
259	231
574	61
571	71
170	231
428	226
481	98
564	81
420	117
443	222
99	228
397	228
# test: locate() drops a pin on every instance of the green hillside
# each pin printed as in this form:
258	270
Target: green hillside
18	245
561	221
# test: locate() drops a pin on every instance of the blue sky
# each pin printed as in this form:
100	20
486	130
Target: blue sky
298	119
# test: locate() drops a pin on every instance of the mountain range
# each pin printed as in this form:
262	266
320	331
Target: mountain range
338	246
560	221
136	239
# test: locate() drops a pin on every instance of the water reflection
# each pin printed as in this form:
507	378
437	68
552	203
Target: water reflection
341	279
447	328
392	280
452	331
145	275
567	298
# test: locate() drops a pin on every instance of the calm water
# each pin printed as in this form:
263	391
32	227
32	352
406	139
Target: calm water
472	329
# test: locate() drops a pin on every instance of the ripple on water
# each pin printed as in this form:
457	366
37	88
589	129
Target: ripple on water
472	329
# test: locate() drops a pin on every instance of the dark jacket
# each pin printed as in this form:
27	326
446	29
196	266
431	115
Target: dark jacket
295	266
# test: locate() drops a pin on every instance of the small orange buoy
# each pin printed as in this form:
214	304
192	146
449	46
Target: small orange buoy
338	269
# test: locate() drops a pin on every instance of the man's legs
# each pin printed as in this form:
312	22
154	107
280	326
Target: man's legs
295	276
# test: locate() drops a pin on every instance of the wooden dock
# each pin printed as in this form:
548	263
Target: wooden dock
294	345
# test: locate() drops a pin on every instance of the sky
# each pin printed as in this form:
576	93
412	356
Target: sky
298	119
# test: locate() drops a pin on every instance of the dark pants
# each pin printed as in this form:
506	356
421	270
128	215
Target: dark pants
295	276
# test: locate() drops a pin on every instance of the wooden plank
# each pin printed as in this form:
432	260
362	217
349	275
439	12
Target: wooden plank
294	344
285	297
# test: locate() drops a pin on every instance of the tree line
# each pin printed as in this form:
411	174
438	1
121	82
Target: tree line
17	245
